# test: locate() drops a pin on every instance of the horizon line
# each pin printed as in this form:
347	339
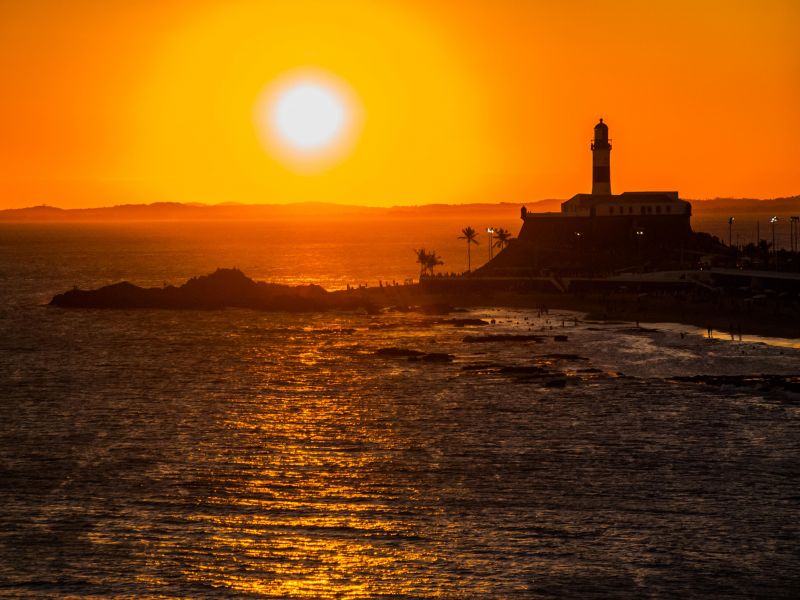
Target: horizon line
229	204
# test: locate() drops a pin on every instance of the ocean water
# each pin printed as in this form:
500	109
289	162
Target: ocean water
183	454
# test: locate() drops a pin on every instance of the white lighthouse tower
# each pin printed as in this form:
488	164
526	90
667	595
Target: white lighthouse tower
601	163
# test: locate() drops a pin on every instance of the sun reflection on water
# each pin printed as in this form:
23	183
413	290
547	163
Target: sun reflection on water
308	504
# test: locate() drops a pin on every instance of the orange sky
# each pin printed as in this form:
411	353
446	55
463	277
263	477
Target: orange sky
106	102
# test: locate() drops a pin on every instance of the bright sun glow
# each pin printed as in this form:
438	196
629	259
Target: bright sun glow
308	116
307	119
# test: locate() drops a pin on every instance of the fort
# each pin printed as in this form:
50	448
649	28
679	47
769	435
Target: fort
604	219
601	230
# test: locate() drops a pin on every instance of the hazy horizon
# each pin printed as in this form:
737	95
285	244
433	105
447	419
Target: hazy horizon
547	204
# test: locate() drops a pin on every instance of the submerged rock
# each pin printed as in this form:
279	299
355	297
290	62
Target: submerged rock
398	352
502	337
788	383
461	322
439	308
437	357
556	383
561	356
526	370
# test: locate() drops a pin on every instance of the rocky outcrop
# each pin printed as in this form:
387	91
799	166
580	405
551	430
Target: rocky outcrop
222	289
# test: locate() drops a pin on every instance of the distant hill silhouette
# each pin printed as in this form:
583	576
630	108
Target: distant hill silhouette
778	206
321	211
174	211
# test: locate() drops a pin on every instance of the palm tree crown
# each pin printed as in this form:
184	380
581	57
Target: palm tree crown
469	234
427	261
503	237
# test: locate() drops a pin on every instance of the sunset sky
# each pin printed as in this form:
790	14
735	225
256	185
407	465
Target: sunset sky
109	102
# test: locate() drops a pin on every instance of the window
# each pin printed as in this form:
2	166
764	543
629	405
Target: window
630	210
643	210
658	210
611	210
668	209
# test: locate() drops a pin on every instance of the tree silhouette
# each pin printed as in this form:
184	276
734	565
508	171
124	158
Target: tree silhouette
470	235
433	261
502	238
422	260
427	261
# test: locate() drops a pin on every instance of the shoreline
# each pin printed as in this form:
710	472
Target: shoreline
774	317
725	315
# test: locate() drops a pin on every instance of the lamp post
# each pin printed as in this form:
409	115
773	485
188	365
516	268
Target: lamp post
730	229
639	238
490	231
794	223
774	220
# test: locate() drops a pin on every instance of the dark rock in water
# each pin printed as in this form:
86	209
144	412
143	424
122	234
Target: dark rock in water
436	309
556	383
222	289
437	357
462	322
372	309
433	357
526	370
415	355
560	338
482	367
502	337
788	383
401	308
398	352
590	370
559	356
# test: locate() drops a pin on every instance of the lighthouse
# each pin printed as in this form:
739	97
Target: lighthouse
601	154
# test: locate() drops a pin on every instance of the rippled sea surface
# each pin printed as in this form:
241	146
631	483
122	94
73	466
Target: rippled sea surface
159	454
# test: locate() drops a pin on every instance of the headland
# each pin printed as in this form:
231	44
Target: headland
773	315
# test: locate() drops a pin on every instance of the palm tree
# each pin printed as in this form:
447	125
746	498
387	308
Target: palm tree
503	238
422	259
427	261
470	235
432	261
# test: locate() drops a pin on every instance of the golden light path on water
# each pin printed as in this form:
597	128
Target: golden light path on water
327	485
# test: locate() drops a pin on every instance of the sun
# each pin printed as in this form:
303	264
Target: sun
307	119
308	116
